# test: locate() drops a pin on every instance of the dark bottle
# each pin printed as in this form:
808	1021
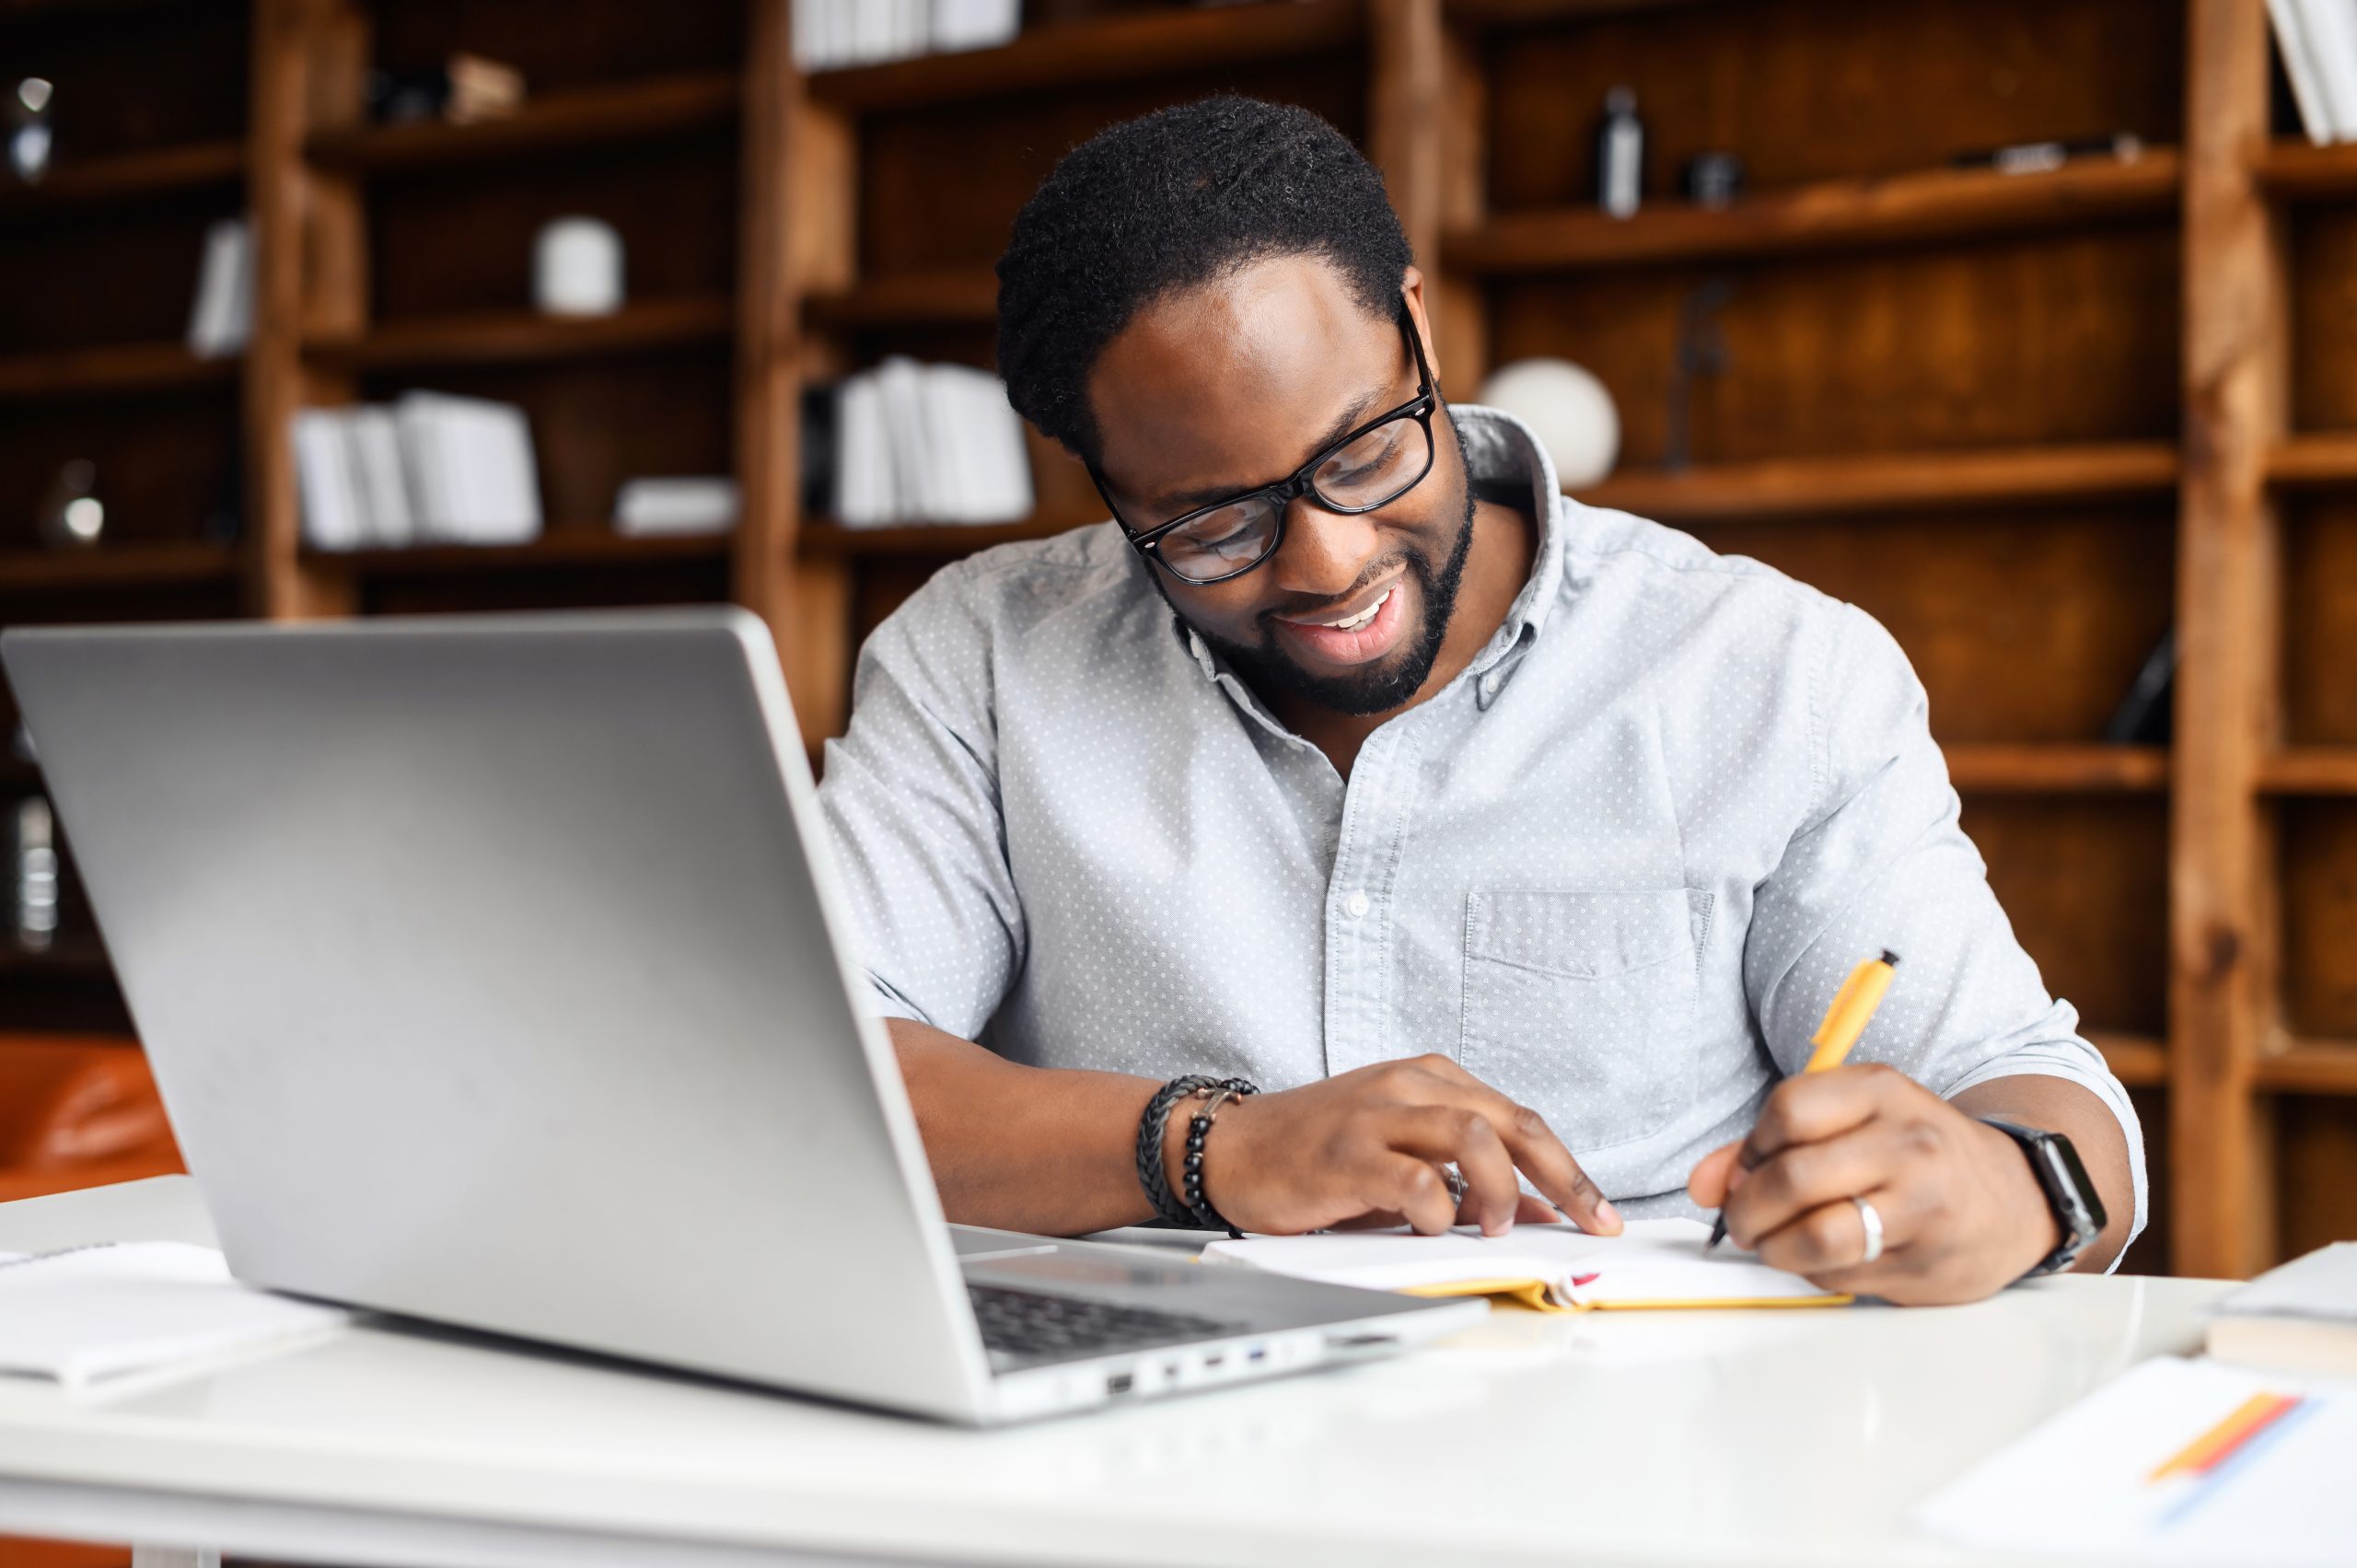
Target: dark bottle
1619	155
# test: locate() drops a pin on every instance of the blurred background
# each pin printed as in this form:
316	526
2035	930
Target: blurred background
2028	325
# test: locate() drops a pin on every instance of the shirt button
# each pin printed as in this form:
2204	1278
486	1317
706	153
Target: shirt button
1356	905
1489	685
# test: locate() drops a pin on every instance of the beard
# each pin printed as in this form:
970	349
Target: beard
1364	693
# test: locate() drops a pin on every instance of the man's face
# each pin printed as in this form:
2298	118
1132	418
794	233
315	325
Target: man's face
1237	383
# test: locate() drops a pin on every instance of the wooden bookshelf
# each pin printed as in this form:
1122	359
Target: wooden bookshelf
825	538
1885	482
2310	770
120	177
2056	769
561	123
2141	1061
2315	458
1119	49
2310	1067
109	368
570	549
2301	171
524	338
946	298
112	566
1911	208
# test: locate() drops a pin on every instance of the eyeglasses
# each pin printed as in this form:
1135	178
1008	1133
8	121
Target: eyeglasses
1371	466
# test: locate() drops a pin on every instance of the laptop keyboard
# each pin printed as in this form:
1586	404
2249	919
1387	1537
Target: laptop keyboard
1025	1326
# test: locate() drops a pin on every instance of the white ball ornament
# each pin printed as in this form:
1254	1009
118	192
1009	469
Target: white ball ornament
1568	409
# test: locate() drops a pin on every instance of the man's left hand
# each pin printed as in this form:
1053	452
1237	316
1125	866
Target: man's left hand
1962	1215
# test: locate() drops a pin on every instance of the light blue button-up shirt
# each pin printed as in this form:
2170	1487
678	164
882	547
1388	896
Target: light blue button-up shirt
1617	868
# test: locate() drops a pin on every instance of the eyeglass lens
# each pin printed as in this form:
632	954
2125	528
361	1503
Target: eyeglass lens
1380	466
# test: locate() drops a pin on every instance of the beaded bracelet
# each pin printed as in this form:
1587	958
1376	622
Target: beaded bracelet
1198	1129
1150	1127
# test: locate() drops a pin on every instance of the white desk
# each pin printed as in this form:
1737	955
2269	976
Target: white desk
1799	1437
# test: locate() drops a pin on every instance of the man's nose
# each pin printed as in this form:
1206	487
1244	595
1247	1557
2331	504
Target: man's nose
1325	554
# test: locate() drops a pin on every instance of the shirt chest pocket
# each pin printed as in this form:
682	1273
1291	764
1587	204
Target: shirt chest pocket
1582	1006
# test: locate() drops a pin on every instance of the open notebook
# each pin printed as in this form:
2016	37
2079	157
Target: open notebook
1651	1263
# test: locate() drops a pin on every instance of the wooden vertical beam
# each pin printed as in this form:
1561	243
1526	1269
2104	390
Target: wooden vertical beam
1427	108
303	52
799	238
2235	373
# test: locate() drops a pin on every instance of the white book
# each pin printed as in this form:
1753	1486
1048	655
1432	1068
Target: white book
1010	491
324	479
374	448
863	469
871	29
975	24
668	507
471	467
222	318
2299	64
2331	29
97	1312
915	488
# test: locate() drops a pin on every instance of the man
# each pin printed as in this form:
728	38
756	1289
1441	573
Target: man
1486	832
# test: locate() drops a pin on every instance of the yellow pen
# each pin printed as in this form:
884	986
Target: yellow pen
1845	1020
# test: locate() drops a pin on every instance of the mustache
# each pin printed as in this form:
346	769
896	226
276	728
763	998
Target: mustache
1413	560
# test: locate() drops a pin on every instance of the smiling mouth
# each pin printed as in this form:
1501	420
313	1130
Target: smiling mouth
1352	623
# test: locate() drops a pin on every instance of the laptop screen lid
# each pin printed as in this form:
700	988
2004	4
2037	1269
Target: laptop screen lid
493	971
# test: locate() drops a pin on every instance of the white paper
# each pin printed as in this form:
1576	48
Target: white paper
1650	1260
2083	1484
2331	29
2299	64
95	1312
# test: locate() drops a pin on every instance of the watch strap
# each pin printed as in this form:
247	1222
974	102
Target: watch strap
2077	1208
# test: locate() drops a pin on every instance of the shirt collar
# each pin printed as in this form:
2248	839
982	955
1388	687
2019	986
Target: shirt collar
1501	451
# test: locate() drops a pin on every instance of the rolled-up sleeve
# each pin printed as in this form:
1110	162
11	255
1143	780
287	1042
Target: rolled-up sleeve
1882	861
912	801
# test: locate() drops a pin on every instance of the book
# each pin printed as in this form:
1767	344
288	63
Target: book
646	508
222	317
325	483
927	444
471	469
2330	29
91	1313
2300	1317
2300	68
1651	1264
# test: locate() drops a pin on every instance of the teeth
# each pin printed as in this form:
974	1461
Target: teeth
1362	618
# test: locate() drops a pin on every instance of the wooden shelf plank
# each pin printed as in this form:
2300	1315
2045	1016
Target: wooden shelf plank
1076	56
2302	171
571	548
514	337
126	565
110	367
1892	482
2137	1061
2058	769
2317	457
1930	204
930	538
193	167
2310	770
1532	13
952	298
2310	1066
554	123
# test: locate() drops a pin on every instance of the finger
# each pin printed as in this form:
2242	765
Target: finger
1710	1181
1818	1106
1535	1210
1830	1241
1443	1134
1539	1154
1412	1189
1801	1176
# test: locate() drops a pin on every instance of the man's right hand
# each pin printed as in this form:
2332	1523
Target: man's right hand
1367	1147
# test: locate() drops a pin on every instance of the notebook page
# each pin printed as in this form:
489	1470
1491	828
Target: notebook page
95	1311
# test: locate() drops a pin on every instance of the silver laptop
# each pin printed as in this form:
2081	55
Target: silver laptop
494	972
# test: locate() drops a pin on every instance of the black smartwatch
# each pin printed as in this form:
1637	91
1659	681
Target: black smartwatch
2078	1208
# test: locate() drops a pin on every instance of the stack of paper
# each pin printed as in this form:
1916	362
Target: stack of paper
222	317
928	443
94	1312
1651	1263
2318	43
828	33
2174	1462
430	469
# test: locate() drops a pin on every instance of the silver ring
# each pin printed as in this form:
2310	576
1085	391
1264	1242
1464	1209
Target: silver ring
1457	1184
1874	1231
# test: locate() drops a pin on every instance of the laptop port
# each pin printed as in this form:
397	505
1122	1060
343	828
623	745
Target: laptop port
1120	1383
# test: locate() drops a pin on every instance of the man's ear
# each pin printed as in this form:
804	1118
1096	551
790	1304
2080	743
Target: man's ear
1411	291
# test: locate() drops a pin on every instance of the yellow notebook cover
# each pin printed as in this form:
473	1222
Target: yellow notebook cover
1653	1265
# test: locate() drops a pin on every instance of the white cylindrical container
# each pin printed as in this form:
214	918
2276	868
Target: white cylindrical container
1568	409
577	268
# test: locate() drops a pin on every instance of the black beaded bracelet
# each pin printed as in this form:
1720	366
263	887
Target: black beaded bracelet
1198	1129
1149	1146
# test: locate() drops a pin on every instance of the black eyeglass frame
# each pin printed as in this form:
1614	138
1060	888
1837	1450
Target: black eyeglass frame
1420	408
